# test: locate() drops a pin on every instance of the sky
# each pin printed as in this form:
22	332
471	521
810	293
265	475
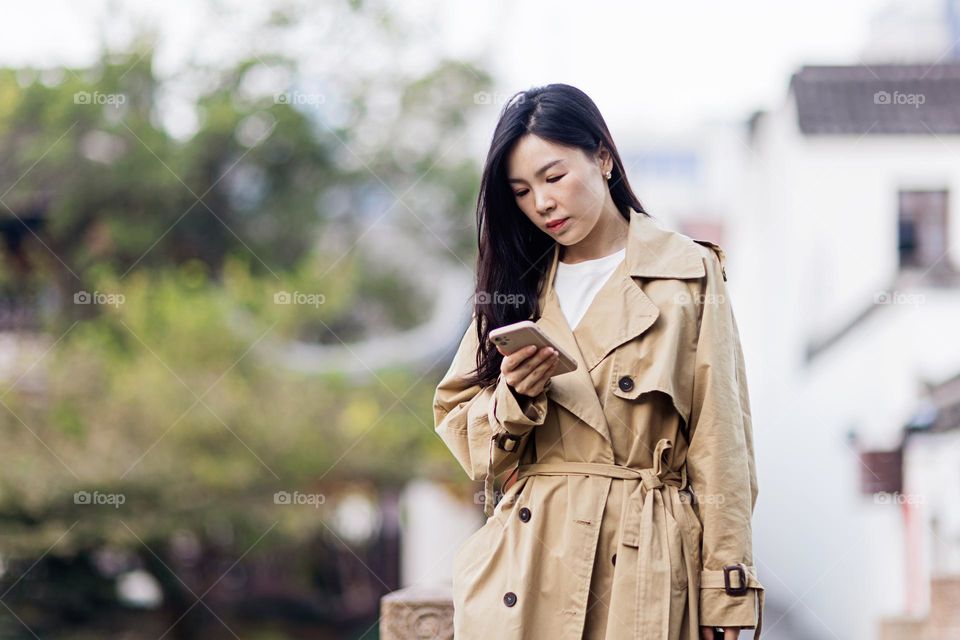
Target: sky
648	65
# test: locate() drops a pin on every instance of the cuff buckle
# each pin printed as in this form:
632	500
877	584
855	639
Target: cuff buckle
739	568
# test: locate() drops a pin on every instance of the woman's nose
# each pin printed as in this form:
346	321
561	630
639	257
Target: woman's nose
545	204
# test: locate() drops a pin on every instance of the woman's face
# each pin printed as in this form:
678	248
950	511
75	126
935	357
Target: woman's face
553	183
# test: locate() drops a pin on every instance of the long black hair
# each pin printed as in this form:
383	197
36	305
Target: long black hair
514	254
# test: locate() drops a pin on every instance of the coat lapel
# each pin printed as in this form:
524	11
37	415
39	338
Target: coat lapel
619	312
574	390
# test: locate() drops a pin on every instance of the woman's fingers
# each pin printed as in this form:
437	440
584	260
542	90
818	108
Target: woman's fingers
514	361
526	368
545	371
518	365
533	382
729	633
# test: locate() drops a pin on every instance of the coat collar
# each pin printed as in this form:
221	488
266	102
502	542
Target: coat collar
652	252
655	252
619	312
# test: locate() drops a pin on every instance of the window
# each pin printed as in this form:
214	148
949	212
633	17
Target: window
922	224
880	471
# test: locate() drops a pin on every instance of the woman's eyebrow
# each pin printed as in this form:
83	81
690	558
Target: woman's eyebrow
539	172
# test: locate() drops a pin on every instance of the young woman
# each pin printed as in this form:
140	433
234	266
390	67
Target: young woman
635	483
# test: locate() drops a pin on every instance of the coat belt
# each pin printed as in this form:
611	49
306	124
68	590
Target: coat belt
647	526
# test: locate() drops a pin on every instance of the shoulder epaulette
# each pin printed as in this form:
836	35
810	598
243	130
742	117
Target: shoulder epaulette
717	250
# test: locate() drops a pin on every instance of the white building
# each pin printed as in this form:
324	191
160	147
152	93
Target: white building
843	266
930	494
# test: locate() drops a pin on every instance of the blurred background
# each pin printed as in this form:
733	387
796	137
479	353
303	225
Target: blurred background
237	243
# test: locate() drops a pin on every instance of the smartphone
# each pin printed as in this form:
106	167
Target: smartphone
516	336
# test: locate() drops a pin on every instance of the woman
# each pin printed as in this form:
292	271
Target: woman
635	483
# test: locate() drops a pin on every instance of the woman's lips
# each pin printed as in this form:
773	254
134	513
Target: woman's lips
559	224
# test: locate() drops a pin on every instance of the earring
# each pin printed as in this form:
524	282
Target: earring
609	174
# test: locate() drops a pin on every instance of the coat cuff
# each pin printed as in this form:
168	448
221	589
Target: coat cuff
515	413
719	608
510	414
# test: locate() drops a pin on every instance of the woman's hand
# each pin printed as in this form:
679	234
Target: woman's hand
528	370
729	633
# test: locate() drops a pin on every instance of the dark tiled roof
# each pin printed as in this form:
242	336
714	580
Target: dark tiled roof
878	99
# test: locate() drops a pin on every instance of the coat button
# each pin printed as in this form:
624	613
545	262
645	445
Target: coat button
625	383
510	598
525	514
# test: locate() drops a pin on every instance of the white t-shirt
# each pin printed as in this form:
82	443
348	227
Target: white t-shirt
577	284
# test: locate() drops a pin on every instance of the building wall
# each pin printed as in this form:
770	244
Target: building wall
815	240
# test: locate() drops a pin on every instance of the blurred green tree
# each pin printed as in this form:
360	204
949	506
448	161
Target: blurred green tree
192	219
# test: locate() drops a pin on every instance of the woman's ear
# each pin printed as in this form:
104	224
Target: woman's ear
604	159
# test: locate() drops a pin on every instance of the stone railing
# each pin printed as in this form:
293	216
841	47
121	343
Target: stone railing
417	613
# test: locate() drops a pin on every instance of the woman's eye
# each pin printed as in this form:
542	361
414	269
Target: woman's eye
556	179
520	194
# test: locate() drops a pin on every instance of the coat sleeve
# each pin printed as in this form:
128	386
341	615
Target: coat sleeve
720	460
472	421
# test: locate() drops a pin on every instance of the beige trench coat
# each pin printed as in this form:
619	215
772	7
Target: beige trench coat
635	477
